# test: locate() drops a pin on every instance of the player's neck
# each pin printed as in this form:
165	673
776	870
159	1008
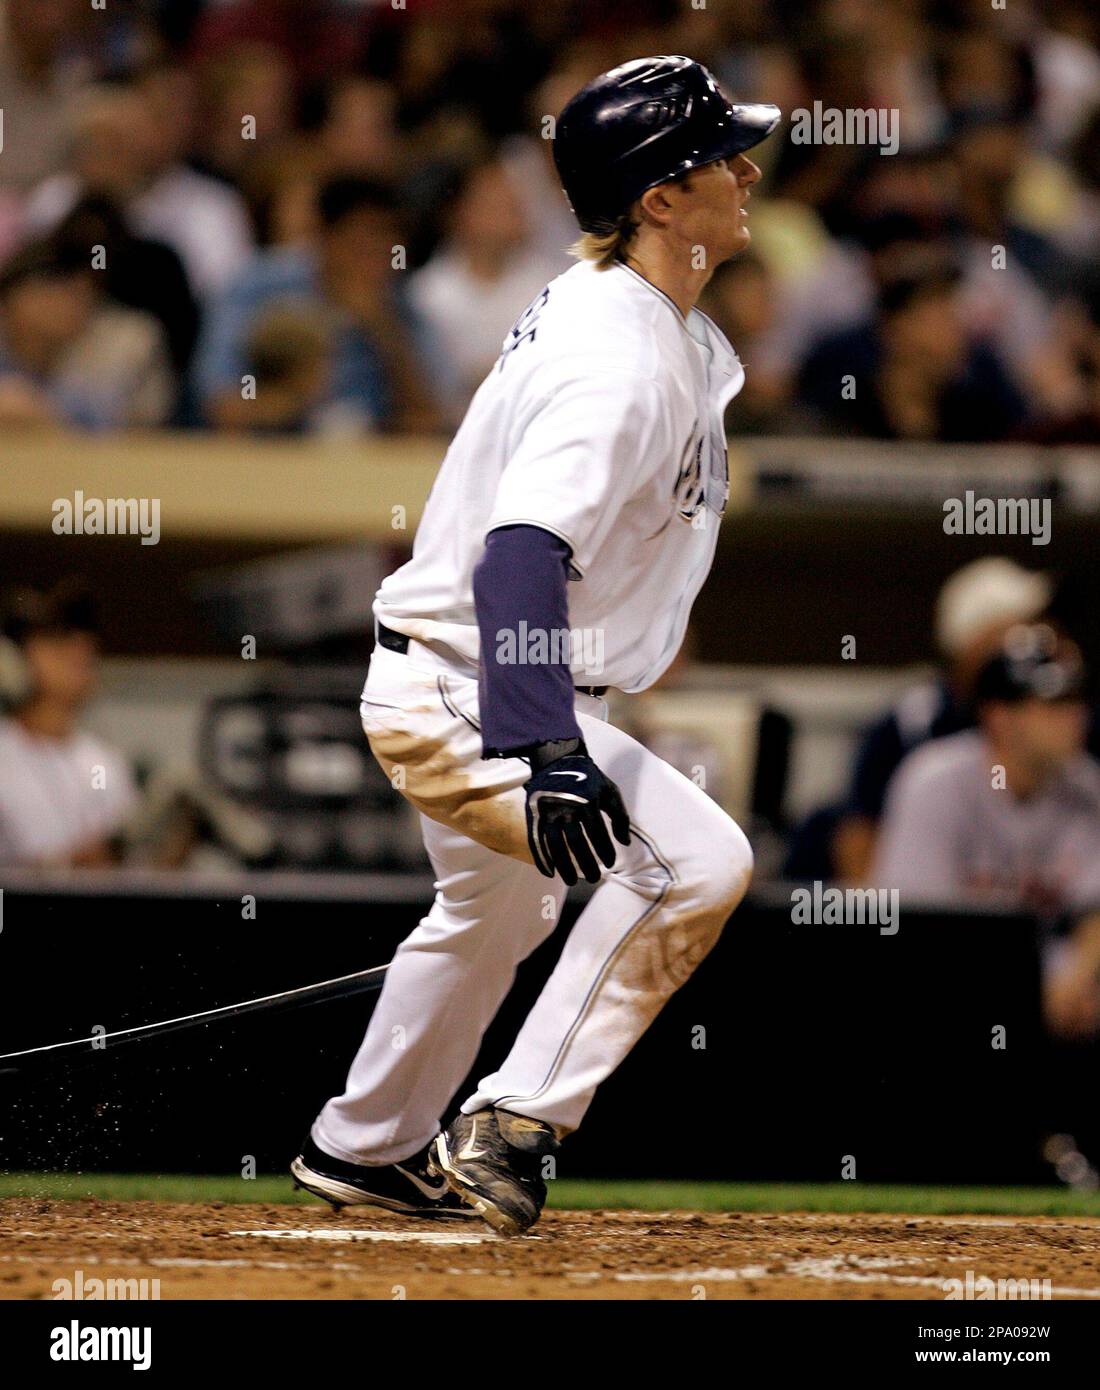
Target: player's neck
1023	778
670	270
47	718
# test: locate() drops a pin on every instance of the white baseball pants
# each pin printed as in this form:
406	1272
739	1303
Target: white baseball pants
649	923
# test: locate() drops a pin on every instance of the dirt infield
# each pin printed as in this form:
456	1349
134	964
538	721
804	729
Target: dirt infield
257	1251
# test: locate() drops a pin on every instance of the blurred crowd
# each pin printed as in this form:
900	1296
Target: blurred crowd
323	215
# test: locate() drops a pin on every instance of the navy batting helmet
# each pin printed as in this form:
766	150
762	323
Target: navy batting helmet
641	124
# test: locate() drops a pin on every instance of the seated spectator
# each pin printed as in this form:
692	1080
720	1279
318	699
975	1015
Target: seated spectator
1079	422
380	372
287	352
65	795
975	607
358	135
246	79
1079	232
912	373
473	288
1013	274
1010	812
741	298
1067	71
126	146
137	273
40	73
68	355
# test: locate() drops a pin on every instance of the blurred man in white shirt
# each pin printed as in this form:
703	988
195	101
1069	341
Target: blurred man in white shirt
64	795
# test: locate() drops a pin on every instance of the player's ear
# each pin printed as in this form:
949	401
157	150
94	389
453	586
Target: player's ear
656	204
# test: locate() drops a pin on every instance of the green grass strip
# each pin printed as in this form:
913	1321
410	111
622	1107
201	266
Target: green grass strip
591	1195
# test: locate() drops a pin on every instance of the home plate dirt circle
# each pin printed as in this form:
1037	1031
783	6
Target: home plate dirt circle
262	1251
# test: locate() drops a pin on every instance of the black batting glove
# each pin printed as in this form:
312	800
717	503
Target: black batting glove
567	799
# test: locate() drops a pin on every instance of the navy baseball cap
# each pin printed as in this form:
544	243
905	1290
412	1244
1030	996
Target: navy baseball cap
1034	661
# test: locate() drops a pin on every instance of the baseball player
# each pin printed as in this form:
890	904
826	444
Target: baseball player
572	523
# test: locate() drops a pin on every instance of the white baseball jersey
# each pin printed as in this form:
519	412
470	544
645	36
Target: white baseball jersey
602	422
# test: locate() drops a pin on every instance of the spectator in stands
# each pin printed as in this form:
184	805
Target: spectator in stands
1067	70
287	352
913	371
358	136
741	298
468	292
976	605
835	66
380	372
1012	275
68	354
1079	421
1010	812
136	272
246	94
65	796
127	146
40	72
1079	231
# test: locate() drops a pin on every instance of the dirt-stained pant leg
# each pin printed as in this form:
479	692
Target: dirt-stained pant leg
651	921
647	926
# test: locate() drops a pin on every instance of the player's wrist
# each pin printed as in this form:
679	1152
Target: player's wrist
541	755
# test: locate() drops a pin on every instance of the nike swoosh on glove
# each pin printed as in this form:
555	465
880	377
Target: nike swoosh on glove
567	799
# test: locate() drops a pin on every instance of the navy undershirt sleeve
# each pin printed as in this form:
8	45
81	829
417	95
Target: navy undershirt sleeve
520	591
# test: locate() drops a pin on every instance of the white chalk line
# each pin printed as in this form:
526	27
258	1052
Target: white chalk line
829	1269
305	1233
417	1237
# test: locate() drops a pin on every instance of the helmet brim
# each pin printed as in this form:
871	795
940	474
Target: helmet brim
742	127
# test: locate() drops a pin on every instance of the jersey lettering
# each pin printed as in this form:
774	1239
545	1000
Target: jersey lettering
689	490
523	330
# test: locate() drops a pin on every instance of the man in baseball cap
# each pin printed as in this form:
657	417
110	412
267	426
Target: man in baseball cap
973	609
1010	812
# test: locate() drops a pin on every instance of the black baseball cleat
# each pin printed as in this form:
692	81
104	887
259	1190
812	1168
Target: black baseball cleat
406	1187
493	1160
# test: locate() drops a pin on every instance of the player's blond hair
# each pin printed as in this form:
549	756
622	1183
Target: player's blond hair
603	249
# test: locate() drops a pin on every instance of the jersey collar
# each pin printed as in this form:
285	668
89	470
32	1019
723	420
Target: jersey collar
716	342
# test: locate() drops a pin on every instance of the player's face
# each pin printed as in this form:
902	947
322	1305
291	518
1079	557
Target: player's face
712	211
1049	733
64	666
